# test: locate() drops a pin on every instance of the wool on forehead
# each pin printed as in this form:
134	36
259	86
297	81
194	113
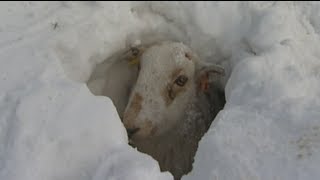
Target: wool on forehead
167	56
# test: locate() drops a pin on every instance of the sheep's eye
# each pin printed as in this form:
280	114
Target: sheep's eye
181	80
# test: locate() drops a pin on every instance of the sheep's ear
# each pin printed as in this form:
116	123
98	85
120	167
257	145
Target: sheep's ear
206	73
134	61
132	55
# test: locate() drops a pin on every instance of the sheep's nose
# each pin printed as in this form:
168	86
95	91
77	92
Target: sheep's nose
132	131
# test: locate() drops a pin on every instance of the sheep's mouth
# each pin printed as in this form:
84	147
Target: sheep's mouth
140	134
132	131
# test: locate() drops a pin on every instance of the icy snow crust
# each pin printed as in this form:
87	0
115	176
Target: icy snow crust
53	128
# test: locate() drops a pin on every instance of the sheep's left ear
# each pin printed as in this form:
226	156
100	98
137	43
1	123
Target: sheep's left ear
206	73
133	54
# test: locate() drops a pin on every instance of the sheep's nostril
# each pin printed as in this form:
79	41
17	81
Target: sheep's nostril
132	131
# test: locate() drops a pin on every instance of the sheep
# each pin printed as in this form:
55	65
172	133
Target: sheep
171	104
166	98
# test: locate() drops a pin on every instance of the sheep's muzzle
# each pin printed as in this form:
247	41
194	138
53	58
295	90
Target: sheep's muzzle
132	131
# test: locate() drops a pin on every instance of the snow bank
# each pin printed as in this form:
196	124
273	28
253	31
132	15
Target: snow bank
52	127
269	128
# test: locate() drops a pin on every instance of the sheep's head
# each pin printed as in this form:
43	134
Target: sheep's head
170	75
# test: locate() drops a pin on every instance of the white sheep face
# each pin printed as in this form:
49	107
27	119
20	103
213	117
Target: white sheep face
168	80
162	91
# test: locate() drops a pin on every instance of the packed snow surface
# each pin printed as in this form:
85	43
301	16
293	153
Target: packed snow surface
52	127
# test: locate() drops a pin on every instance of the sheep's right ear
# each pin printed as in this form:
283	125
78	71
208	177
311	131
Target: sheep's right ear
205	73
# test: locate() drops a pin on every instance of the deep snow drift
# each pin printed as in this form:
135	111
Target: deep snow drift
52	127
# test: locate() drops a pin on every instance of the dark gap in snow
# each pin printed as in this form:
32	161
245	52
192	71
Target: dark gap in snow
116	76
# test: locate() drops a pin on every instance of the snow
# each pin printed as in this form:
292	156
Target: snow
52	127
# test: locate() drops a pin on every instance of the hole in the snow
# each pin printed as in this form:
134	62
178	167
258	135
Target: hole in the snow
166	97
